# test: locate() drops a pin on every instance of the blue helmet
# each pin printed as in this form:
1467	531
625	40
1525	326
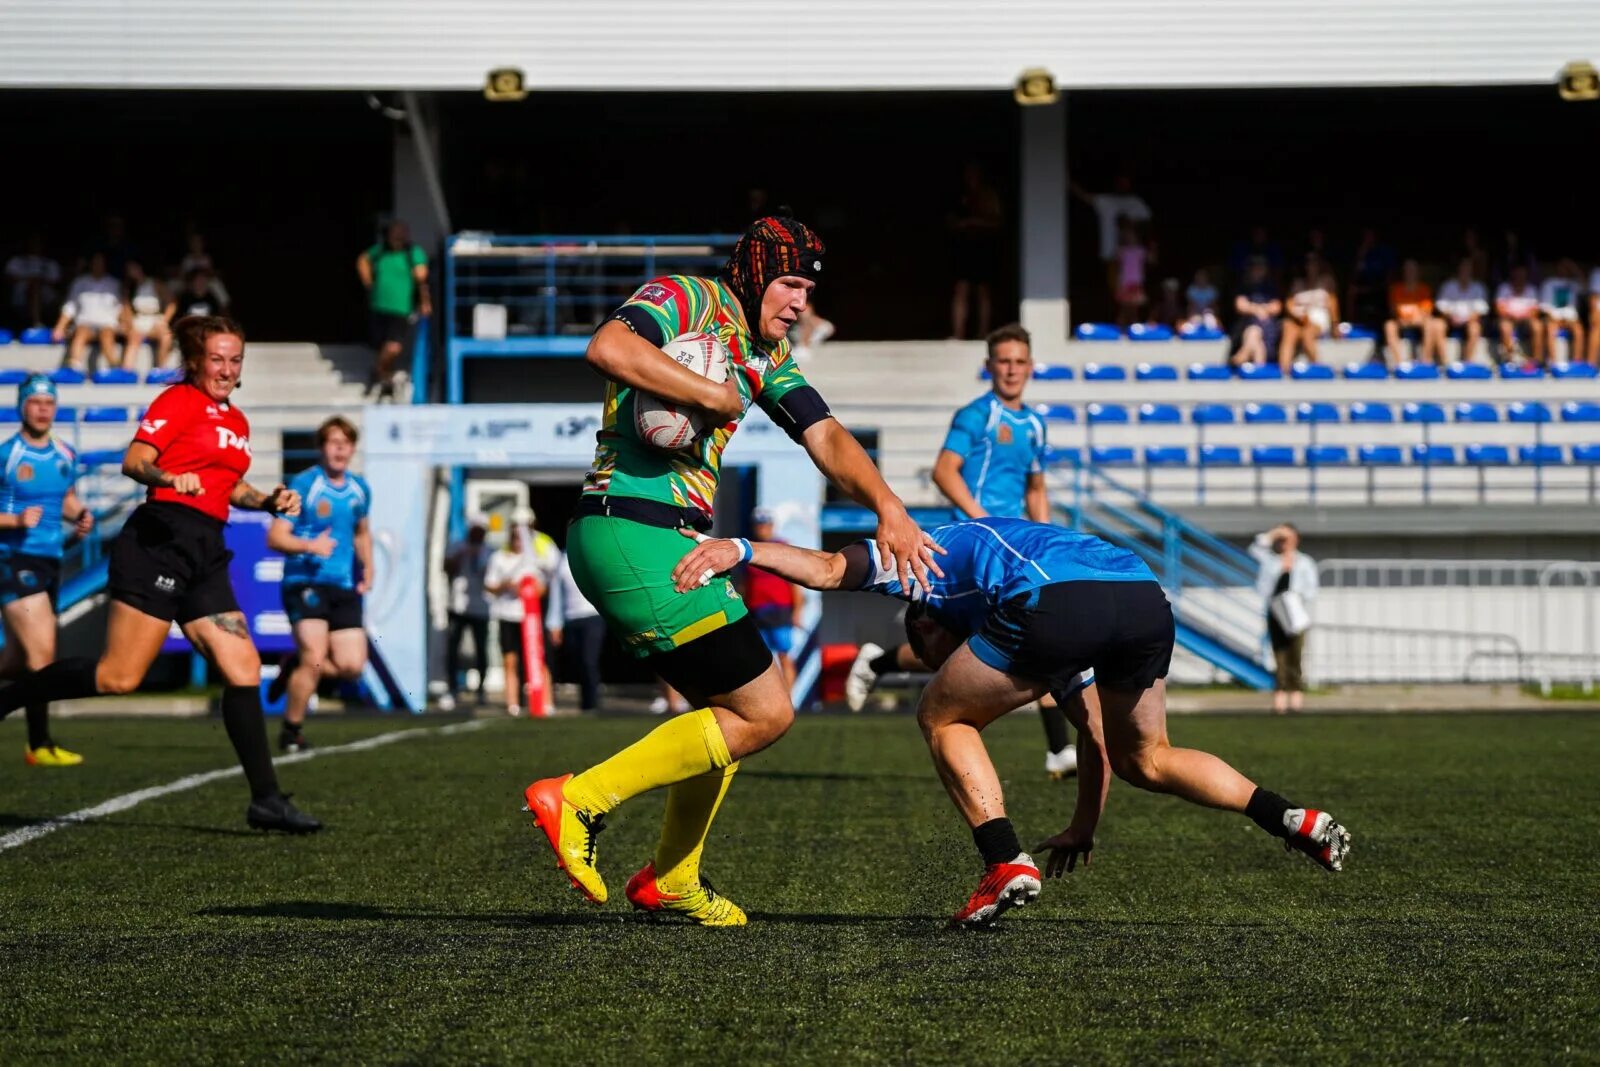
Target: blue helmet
35	385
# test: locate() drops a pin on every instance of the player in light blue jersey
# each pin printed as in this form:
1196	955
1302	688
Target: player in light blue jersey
327	569
39	510
1019	609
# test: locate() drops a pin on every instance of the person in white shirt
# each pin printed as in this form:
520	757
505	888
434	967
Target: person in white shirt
578	630
34	279
1110	209
94	305
1463	303
147	314
1559	298
1516	306
525	555
1287	582
1311	314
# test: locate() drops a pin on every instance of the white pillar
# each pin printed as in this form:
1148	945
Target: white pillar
1042	219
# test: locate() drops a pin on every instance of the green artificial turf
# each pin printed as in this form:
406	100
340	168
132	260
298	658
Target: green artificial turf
427	924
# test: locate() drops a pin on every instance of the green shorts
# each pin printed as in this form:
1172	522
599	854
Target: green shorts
625	569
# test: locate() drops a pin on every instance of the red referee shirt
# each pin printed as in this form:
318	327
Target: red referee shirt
193	433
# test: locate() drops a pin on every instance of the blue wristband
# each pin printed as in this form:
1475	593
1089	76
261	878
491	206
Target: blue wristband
745	551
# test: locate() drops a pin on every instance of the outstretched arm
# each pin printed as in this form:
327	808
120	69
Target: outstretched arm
803	566
1094	779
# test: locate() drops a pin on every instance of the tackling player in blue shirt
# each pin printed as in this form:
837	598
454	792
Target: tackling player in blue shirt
38	511
322	590
1018	609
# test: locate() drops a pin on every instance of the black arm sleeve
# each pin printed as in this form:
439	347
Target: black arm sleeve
640	323
797	410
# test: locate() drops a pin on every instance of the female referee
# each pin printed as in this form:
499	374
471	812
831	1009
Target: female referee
170	562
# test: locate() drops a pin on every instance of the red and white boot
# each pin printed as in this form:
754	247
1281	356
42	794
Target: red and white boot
1005	885
1318	836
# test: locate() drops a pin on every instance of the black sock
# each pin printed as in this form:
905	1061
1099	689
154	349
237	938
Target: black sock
65	679
39	725
1055	727
1266	811
997	840
291	727
247	729
882	664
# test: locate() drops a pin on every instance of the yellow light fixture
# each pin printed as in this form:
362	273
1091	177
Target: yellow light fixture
503	84
1580	81
1035	86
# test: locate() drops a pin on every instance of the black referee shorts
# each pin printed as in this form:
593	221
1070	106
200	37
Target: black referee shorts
170	561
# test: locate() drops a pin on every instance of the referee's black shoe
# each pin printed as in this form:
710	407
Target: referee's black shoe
276	813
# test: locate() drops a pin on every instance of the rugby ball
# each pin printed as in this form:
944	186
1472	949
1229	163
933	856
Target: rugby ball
665	425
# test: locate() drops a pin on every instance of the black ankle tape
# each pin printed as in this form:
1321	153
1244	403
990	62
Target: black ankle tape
1266	811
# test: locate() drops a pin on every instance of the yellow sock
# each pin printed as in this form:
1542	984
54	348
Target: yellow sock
682	747
691	805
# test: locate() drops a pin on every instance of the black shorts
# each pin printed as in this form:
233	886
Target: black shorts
170	561
340	608
386	328
510	636
725	659
1121	630
25	576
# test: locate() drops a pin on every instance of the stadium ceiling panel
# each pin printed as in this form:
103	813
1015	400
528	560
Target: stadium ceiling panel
789	45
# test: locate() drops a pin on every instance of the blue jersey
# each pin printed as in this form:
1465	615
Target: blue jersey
990	561
336	510
999	449
35	476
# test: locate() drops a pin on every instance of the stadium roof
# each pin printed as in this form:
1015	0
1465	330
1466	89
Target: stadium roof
789	45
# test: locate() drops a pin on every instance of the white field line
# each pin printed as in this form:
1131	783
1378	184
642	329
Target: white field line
34	831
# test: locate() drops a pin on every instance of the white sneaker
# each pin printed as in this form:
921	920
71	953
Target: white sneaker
1063	764
658	706
514	710
858	684
447	702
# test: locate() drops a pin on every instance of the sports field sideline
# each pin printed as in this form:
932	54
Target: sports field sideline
425	926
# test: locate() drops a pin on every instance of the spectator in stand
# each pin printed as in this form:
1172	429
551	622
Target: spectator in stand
1367	301
467	564
579	633
1202	300
1516	306
1594	318
197	258
1463	302
975	242
1110	209
35	281
199	296
94	309
776	604
1312	312
1167	308
810	330
1133	256
395	274
1559	299
1411	318
1258	246
1287	582
146	313
1257	307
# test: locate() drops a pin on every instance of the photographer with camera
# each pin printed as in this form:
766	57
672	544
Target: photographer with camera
1287	582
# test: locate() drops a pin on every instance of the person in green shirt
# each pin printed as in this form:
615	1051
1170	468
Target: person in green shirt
625	542
395	274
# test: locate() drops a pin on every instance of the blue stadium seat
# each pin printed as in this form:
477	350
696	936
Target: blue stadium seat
1104	372
1200	333
1316	411
1220	456
1111	455
173	375
1369	371
1054	456
1574	370
1524	411
116	376
1166	456
1476	411
1520	370
1056	412
1468	372
1149	331
1586	453
1580	411
1265	413
1433	455
1260	372
105	414
1426	411
10	415
1160	413
36	335
1358	333
1381	456
66	414
1272	456
1156	372
1539	455
1097	331
67	376
1362	411
1107	413
1417	372
1488	455
1303	371
1211	414
13	376
6	337
1208	372
1327	455
103	457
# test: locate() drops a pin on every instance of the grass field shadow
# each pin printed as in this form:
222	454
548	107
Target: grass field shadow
347	911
